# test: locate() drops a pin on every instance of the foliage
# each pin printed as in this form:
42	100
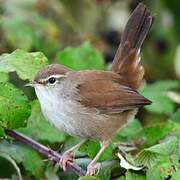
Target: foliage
30	159
37	32
80	58
157	92
25	64
84	30
14	107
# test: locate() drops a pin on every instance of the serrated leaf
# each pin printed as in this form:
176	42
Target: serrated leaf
39	129
4	77
21	154
25	64
147	158
14	107
166	147
150	156
156	92
81	58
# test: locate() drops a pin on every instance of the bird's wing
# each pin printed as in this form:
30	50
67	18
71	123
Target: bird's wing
102	90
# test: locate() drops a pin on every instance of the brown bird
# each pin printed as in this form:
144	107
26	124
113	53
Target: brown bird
95	104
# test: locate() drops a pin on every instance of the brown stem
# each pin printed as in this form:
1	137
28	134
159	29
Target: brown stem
52	155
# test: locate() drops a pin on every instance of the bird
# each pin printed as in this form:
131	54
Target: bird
95	104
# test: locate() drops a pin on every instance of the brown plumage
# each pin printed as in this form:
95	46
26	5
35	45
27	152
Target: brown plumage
96	104
127	59
104	91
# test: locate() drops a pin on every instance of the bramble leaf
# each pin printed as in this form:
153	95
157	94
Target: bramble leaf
14	107
150	156
81	58
152	134
21	154
156	92
25	64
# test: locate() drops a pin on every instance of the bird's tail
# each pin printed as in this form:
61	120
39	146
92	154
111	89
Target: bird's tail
127	59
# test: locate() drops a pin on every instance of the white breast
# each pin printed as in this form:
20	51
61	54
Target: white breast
65	114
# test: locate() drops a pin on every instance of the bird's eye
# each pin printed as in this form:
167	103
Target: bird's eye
52	80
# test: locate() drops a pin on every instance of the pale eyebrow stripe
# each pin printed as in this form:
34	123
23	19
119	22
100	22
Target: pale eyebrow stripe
55	76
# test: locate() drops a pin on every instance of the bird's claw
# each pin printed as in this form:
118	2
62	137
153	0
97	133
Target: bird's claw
66	157
93	169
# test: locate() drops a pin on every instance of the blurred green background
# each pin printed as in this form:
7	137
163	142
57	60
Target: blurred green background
85	34
49	26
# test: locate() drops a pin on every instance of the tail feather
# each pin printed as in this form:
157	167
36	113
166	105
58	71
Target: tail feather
127	59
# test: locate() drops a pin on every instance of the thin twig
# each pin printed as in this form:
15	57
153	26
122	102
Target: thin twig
52	155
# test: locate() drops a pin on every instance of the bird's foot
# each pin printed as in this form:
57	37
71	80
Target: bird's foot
93	169
66	157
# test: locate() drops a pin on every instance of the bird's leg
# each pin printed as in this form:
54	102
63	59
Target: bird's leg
93	165
69	155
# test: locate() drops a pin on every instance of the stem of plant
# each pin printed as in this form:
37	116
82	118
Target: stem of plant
52	155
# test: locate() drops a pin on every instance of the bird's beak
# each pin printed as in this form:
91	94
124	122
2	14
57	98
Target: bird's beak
31	84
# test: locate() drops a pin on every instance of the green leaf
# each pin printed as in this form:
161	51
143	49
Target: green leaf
92	147
121	178
6	170
166	147
39	128
130	175
14	107
21	154
175	117
70	142
81	58
162	170
129	131
156	92
25	64
88	178
2	133
4	77
153	133
51	172
176	175
105	173
150	156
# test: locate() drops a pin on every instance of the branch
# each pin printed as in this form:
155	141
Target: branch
52	155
